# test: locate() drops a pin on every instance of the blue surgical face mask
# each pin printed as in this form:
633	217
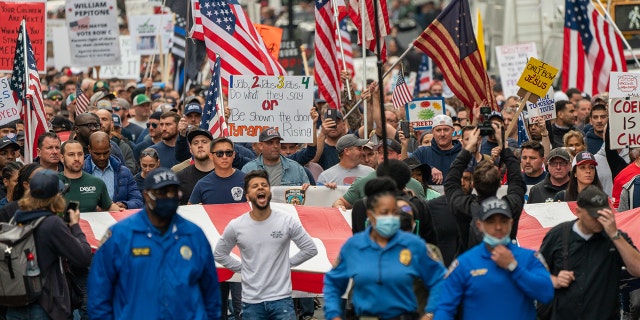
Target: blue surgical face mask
494	242
387	226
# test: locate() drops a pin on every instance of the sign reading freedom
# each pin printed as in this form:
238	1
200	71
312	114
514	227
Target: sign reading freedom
12	13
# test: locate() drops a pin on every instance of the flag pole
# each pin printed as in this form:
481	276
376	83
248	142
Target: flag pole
385	150
219	60
186	46
615	27
364	68
26	108
344	63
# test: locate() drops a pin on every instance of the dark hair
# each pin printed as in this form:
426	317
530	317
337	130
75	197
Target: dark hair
378	187
572	188
23	176
598	106
406	219
255	174
10	168
64	145
562	105
220	140
397	170
572	91
486	179
171	114
45	135
535	146
149	152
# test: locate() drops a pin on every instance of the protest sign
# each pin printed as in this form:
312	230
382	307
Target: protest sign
624	108
58	44
545	107
138	8
93	32
537	77
421	111
512	59
359	66
130	66
272	36
8	109
12	13
260	102
146	31
624	84
290	57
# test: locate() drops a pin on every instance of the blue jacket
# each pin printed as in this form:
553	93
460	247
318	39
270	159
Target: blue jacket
487	291
140	273
435	157
594	143
383	278
293	174
125	189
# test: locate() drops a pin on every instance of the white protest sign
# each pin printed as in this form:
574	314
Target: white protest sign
8	109
420	112
624	110
130	66
260	102
546	107
512	59
359	67
138	8
624	84
93	32
146	31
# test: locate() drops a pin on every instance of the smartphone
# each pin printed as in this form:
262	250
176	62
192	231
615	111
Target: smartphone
404	126
72	205
333	115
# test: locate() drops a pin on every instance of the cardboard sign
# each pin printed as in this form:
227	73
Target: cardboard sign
545	107
624	112
512	59
537	77
272	37
624	84
12	13
420	112
93	32
290	57
8	109
260	102
146	31
130	66
360	65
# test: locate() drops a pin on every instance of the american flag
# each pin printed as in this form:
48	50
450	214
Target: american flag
592	49
81	24
82	102
196	30
370	24
401	94
327	66
212	116
425	75
25	84
450	42
346	45
229	33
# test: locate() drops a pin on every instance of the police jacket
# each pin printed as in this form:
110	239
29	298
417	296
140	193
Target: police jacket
125	188
140	273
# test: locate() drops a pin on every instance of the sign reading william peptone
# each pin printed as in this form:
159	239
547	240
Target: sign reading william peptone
260	102
93	32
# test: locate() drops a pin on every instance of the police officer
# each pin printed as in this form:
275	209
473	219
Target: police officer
155	264
495	279
383	263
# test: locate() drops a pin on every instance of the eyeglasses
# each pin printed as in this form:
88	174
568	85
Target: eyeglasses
151	124
149	153
219	154
91	125
558	163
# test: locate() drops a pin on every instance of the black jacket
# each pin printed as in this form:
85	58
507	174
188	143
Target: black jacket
545	191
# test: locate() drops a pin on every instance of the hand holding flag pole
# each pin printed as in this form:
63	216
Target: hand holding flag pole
344	63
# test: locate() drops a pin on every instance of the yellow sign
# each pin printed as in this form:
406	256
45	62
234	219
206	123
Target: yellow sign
537	77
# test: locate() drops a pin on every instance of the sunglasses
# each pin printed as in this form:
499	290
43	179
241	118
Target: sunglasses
457	133
91	125
220	154
116	108
154	125
149	153
56	98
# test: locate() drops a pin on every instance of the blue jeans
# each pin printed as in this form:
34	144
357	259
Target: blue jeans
33	311
273	310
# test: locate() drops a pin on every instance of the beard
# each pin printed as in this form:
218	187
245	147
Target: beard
254	203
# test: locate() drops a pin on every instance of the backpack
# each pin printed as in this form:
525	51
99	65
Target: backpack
15	241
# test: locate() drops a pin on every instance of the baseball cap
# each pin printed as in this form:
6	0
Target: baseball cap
268	134
140	99
584	157
7	142
392	145
198	132
171	100
495	114
100	85
123	103
493	205
442	120
20	136
413	163
45	184
370	145
191	99
116	120
349	140
192	107
559	152
592	199
70	98
156	115
54	93
61	122
160	178
99	96
104	105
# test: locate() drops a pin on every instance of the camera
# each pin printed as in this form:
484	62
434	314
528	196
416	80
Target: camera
486	129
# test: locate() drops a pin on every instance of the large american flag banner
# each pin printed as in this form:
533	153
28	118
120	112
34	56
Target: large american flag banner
327	65
229	33
82	101
212	115
592	49
355	8
450	42
401	94
25	84
346	45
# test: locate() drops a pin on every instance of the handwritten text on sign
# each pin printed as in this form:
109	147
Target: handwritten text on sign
420	112
259	102
512	59
8	109
12	13
624	113
537	77
545	107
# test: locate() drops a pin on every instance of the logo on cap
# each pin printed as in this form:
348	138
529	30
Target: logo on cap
495	204
598	200
163	176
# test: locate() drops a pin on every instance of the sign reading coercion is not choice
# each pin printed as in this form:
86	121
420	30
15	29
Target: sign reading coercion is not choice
260	102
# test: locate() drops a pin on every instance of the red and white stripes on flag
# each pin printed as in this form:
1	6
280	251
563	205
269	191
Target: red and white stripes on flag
346	45
229	33
592	49
212	115
82	102
369	28
327	65
196	31
401	94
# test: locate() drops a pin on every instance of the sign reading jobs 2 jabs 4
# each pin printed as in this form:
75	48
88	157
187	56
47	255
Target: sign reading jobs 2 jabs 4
259	102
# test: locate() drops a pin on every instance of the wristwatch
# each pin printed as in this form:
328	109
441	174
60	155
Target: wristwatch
617	236
512	266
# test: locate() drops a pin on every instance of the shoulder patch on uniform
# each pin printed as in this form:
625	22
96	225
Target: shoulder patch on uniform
434	253
454	264
540	258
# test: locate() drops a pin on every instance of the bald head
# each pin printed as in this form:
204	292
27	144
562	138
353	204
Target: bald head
106	120
98	138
